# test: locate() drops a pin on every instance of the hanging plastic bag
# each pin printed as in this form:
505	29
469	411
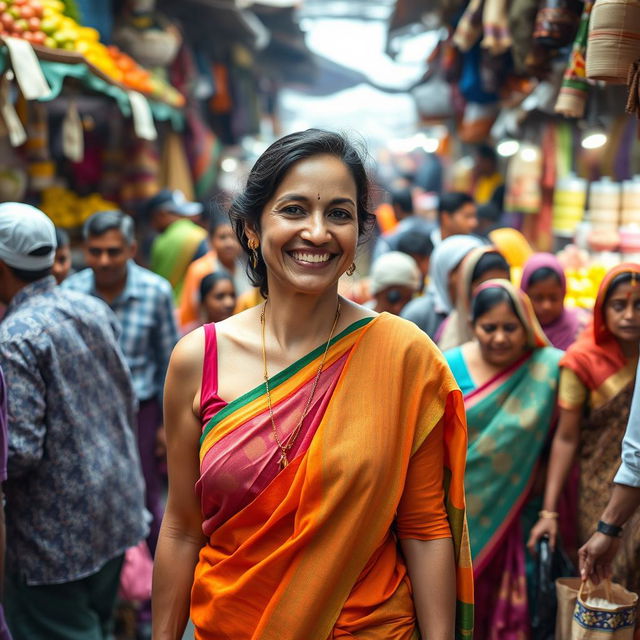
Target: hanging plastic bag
550	565
605	612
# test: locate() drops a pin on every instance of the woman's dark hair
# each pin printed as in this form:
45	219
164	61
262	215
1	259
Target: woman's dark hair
489	298
269	171
211	280
543	273
621	278
490	261
62	238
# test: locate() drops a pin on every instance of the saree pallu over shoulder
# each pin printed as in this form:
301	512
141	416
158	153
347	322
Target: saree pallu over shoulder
314	555
509	420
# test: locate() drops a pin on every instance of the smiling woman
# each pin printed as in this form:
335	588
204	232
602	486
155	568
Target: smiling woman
308	466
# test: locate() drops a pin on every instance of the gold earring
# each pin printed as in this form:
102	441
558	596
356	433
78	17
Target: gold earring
352	269
253	244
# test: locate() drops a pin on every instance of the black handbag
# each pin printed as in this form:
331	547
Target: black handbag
550	565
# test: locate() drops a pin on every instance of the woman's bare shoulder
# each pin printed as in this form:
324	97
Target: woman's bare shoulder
188	354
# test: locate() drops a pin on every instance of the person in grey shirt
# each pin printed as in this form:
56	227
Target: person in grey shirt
598	552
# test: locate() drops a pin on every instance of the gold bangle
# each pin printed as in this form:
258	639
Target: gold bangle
552	515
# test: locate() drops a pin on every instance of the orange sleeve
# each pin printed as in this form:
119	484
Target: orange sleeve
421	513
188	306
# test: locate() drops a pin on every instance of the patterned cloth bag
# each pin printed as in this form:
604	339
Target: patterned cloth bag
607	611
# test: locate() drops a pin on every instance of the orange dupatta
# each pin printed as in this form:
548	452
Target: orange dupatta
308	557
595	357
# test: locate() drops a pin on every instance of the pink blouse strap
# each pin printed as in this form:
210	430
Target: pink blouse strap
209	387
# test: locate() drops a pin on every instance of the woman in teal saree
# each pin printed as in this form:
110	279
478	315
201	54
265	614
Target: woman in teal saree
508	375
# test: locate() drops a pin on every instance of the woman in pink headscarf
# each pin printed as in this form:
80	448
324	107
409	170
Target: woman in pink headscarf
543	280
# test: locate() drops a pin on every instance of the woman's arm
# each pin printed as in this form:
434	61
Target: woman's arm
563	451
181	535
432	572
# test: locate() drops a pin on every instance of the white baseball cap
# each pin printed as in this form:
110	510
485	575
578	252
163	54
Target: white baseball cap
394	269
24	229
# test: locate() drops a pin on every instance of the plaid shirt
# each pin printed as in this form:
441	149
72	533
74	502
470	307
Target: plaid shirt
148	324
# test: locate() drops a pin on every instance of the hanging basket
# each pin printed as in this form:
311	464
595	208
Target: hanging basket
614	40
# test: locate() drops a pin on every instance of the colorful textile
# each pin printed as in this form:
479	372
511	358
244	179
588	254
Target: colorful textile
75	494
596	357
572	98
563	331
174	250
509	419
456	330
512	245
301	553
147	322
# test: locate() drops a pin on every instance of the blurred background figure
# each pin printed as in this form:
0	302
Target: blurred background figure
430	310
418	245
224	253
487	180
217	296
180	240
480	265
457	215
543	280
395	279
489	218
62	261
512	245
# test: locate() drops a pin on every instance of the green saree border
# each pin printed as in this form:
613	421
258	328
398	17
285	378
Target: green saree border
279	378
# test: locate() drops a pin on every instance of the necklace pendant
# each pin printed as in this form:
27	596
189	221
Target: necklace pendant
283	462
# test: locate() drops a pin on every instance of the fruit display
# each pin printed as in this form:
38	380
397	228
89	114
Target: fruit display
45	23
68	210
584	276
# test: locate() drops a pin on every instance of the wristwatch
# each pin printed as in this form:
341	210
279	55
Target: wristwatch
609	529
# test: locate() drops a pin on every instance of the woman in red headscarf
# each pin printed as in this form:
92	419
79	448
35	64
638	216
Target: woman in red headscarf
596	384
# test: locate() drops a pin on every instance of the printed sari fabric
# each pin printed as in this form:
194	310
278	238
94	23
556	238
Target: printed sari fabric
311	552
509	420
598	378
174	250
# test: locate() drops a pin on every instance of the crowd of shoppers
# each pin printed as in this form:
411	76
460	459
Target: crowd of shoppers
318	436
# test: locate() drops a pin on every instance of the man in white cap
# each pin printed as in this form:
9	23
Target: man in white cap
180	240
75	494
395	279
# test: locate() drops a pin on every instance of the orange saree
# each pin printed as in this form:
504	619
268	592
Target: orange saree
313	553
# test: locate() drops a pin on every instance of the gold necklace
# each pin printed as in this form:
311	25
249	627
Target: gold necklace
289	442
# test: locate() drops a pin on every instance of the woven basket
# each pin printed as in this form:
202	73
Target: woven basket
614	40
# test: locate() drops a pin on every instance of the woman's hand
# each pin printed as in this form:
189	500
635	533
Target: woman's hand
544	527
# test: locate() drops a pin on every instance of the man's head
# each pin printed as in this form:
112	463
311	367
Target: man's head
457	214
27	247
62	261
402	202
486	161
167	206
395	279
109	243
418	245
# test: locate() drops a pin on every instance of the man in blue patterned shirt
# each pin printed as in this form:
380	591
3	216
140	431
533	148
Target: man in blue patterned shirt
75	493
143	303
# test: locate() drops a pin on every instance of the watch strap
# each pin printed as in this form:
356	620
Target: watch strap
609	529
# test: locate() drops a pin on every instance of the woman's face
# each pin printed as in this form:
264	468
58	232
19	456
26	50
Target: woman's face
225	244
309	228
622	312
501	336
219	303
547	298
